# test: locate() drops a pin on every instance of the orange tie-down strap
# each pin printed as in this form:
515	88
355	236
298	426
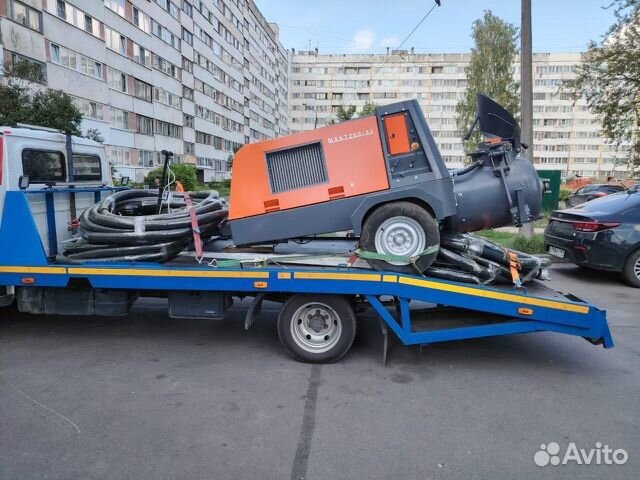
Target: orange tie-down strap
195	227
514	266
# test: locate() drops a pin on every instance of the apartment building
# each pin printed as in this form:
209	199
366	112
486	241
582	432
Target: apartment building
195	77
567	136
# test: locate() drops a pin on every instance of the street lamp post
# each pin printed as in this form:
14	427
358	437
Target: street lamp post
315	111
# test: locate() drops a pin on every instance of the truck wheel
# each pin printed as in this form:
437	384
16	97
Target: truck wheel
400	228
631	269
317	328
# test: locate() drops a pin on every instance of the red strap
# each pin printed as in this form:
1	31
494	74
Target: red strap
197	241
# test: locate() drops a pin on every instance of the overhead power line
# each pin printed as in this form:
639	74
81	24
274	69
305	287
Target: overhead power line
436	4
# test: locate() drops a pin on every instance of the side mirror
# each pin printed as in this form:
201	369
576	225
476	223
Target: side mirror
23	182
124	181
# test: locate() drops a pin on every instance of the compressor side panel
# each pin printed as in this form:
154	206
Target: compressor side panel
330	163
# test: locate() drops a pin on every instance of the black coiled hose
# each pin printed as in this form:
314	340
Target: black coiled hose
125	227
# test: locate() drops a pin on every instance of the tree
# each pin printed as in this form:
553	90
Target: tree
368	108
489	71
609	79
95	135
185	174
22	102
344	114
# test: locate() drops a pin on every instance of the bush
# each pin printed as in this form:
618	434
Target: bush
185	174
222	187
564	194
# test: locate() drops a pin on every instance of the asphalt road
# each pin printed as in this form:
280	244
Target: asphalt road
147	397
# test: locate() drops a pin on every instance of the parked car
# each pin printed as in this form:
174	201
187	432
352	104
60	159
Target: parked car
603	234
591	192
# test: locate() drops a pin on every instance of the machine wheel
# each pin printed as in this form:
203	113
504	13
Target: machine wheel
317	328
631	269
400	228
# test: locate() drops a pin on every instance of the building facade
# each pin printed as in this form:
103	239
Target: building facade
196	77
566	135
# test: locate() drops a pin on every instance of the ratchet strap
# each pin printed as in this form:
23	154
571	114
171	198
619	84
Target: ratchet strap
195	227
514	266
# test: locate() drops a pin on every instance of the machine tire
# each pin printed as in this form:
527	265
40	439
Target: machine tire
332	338
631	269
402	209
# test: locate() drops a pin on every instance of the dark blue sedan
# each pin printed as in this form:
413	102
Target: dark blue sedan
603	234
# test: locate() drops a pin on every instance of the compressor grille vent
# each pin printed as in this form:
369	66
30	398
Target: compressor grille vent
296	167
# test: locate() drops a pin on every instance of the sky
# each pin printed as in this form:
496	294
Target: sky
369	26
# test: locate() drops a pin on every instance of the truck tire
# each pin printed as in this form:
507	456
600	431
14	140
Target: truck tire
317	328
631	269
403	229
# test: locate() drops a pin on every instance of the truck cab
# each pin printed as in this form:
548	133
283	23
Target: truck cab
43	161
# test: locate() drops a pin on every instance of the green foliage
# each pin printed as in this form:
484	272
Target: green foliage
368	108
533	245
564	194
20	102
95	135
515	241
185	174
489	71
344	114
609	79
223	188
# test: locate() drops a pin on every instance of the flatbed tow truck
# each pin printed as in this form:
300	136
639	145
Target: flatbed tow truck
317	322
328	294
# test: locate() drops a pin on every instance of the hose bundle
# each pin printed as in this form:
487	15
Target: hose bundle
126	227
472	259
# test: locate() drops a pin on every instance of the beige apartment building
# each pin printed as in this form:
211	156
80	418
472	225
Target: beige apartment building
567	136
196	77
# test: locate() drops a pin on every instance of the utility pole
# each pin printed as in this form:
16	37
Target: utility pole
526	89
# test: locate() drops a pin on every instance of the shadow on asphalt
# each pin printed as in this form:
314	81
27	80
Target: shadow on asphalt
148	327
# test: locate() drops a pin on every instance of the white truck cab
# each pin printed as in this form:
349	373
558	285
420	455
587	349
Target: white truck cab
36	160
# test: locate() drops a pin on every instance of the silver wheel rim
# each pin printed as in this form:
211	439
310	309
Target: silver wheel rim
316	327
401	236
636	269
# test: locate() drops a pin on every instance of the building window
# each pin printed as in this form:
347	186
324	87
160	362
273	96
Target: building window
167	98
115	5
145	125
116	80
70	59
18	60
74	16
168	129
189	148
141	55
145	158
141	20
166	67
27	16
88	24
187	8
119	118
165	35
187	92
188	120
187	65
187	36
89	108
143	90
61	9
115	41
